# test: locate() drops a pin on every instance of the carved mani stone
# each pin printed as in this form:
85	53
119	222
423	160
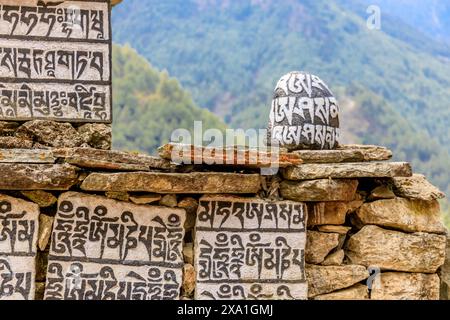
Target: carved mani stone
19	224
304	113
250	249
112	250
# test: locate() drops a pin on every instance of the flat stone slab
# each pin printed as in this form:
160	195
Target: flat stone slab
356	292
346	153
37	176
195	182
19	224
394	250
110	250
250	249
403	214
319	190
26	156
406	286
348	170
231	156
326	279
111	160
416	187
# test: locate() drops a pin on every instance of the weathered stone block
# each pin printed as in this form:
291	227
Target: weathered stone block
319	190
345	153
37	176
196	182
18	248
334	259
26	156
394	250
416	187
250	249
45	231
327	213
188	280
326	279
42	198
406	286
356	292
444	274
97	241
403	214
50	133
97	135
319	245
15	143
348	170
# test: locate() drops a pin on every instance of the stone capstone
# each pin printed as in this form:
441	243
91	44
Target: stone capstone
345	153
416	187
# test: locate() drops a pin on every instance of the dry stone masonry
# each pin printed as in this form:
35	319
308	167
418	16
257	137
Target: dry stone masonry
85	223
79	221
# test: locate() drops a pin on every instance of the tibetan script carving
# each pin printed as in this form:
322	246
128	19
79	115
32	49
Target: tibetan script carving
250	249
19	224
55	60
304	113
104	249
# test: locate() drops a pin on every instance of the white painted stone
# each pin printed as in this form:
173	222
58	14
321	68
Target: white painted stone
250	249
19	225
99	242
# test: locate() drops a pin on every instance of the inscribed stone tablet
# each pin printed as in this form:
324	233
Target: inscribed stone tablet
55	60
113	250
19	225
250	249
304	113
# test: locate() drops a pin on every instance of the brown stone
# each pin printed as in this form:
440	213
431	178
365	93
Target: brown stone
319	190
406	286
45	231
15	143
26	156
111	160
348	170
188	253
37	176
327	213
169	200
41	266
97	135
196	182
394	250
334	259
416	187
319	245
334	229
356	292
121	196
190	205
8	127
42	198
326	279
444	274
253	158
145	198
188	280
403	214
39	291
348	153
50	133
381	192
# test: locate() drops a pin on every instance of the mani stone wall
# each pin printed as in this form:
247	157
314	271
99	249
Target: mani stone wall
85	223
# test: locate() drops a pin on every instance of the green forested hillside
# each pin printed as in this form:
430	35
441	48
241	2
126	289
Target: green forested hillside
149	105
229	55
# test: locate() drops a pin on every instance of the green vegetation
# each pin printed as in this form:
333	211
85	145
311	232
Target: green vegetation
229	55
149	105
